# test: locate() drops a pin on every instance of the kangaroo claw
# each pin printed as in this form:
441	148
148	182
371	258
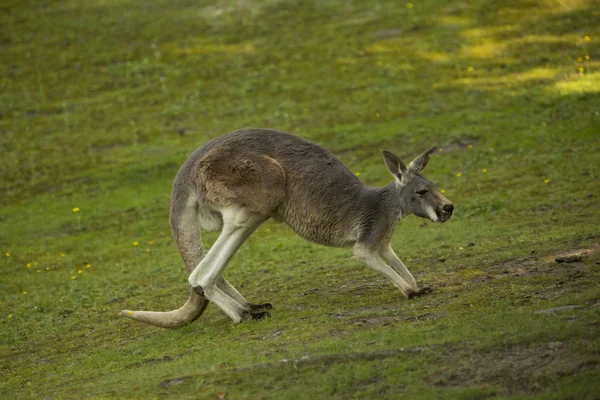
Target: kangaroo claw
260	315
423	291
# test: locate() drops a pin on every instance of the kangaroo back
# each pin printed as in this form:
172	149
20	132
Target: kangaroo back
284	177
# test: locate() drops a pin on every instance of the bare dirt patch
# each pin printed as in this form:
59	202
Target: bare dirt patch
571	256
516	369
565	264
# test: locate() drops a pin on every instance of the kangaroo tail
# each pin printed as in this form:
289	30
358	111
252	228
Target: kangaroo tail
185	224
184	315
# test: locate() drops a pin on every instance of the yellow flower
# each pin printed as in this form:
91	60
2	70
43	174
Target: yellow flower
546	180
377	115
28	265
442	191
39	270
470	69
470	146
151	242
136	243
357	173
459	174
484	170
587	57
147	250
74	277
24	291
80	271
62	254
409	5
76	210
581	69
88	265
579	59
9	315
267	230
587	38
7	254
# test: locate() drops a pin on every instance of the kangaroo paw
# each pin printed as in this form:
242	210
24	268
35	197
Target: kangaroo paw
260	315
260	307
423	291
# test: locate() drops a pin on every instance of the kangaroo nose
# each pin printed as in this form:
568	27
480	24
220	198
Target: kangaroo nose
448	208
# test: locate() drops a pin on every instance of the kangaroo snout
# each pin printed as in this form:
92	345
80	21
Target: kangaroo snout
445	212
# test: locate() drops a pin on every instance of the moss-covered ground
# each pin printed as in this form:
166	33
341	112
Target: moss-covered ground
102	101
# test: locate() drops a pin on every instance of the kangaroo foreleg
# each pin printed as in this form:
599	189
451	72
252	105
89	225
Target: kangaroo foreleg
373	261
390	257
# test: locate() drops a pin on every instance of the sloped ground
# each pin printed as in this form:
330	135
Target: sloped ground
101	102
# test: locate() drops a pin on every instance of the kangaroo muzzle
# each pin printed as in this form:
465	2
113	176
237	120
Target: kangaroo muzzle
445	212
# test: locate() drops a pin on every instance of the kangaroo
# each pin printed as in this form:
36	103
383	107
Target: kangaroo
238	181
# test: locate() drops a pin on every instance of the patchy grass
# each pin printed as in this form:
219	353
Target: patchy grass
102	101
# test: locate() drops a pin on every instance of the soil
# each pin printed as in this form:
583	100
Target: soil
515	369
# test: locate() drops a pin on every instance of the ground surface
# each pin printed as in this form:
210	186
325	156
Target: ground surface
102	101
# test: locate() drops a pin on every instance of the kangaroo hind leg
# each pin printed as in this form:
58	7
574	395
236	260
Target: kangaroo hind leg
207	278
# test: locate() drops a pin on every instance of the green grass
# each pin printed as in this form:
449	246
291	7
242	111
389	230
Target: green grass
102	101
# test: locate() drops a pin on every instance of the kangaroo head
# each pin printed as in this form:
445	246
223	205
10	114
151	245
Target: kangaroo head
418	194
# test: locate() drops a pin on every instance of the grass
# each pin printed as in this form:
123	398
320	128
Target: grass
102	101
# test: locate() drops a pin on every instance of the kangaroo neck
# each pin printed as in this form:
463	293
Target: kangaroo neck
394	200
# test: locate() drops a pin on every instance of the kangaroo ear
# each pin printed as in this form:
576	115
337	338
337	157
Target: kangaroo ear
419	163
396	167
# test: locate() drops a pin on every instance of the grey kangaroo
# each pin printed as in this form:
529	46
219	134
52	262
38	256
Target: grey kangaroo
238	181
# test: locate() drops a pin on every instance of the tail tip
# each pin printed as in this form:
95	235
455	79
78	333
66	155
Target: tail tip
126	313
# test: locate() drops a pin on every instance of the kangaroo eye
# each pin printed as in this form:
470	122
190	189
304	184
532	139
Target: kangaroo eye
422	192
